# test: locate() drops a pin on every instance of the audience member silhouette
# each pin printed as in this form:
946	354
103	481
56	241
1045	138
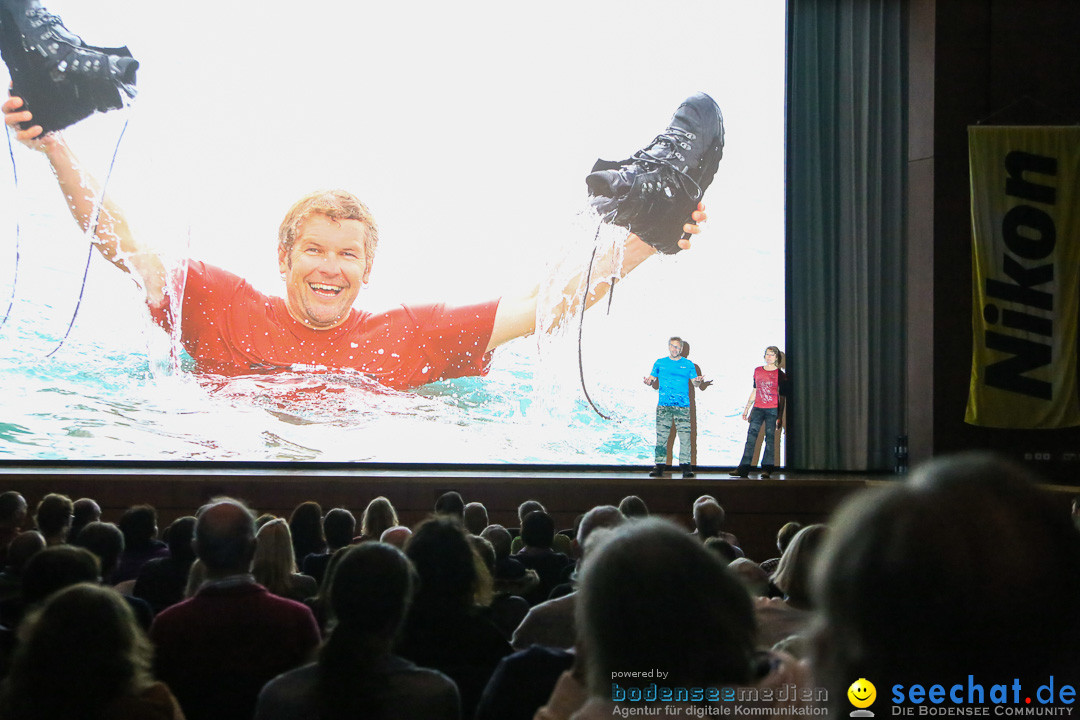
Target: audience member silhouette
13	509
339	527
633	507
161	581
965	574
451	504
305	527
356	675
83	512
537	535
53	518
475	516
274	566
140	527
379	516
82	655
218	648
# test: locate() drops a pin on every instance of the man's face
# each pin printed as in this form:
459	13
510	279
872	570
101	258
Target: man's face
674	349
325	270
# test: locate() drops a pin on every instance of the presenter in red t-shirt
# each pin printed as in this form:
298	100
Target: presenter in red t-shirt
326	247
764	407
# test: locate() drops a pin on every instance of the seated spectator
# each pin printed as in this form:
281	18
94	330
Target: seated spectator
451	504
653	597
53	569
398	536
966	573
356	675
475	516
218	648
141	544
754	579
709	519
444	629
522	683
82	655
53	518
83	512
161	581
784	536
274	566
339	526
12	516
22	548
510	576
504	610
632	507
537	534
551	623
791	614
306	530
723	549
107	542
379	516
561	543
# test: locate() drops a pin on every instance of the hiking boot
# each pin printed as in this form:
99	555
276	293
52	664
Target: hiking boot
658	471
653	193
61	79
740	472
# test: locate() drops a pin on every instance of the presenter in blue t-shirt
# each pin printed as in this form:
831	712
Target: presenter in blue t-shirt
673	374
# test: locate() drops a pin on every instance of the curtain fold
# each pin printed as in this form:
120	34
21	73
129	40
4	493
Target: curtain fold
846	170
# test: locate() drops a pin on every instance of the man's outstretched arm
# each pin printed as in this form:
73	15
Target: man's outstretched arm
516	316
112	236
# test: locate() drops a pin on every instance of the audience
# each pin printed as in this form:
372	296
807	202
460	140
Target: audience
966	573
398	536
218	648
537	535
305	527
274	566
379	516
356	675
475	516
83	512
140	527
445	630
339	526
82	655
107	542
451	504
791	614
53	518
12	516
784	537
161	581
561	543
632	507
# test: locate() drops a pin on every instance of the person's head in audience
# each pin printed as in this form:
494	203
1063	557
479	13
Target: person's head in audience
966	570
225	538
12	510
529	506
81	651
752	576
601	516
708	519
57	567
484	557
633	507
263	519
53	517
370	590
444	562
786	534
538	530
723	549
379	515
83	512
476	517
451	504
653	596
140	526
23	547
398	536
273	563
339	527
500	540
305	526
792	576
104	540
178	536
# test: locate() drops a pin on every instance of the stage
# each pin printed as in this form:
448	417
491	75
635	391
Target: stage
756	508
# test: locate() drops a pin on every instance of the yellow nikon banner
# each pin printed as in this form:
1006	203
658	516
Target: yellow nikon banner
1025	200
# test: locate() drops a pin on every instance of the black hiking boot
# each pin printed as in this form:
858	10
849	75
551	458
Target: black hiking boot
653	193
61	79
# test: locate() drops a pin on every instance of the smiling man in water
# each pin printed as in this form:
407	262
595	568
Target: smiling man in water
326	246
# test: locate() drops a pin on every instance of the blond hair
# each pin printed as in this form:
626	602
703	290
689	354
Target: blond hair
333	204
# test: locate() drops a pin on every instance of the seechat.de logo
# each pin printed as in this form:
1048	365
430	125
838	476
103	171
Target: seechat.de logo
862	695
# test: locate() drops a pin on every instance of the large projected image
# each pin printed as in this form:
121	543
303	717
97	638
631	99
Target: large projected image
507	322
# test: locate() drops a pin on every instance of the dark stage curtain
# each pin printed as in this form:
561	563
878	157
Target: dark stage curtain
846	155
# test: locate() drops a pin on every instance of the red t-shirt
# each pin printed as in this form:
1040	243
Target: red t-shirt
230	328
767	384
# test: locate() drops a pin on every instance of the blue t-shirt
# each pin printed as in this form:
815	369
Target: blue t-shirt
674	377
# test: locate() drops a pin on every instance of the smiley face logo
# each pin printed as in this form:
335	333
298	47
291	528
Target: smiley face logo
862	693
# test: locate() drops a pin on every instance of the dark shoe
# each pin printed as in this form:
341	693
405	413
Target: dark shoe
653	193
657	471
742	472
766	474
687	472
61	79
